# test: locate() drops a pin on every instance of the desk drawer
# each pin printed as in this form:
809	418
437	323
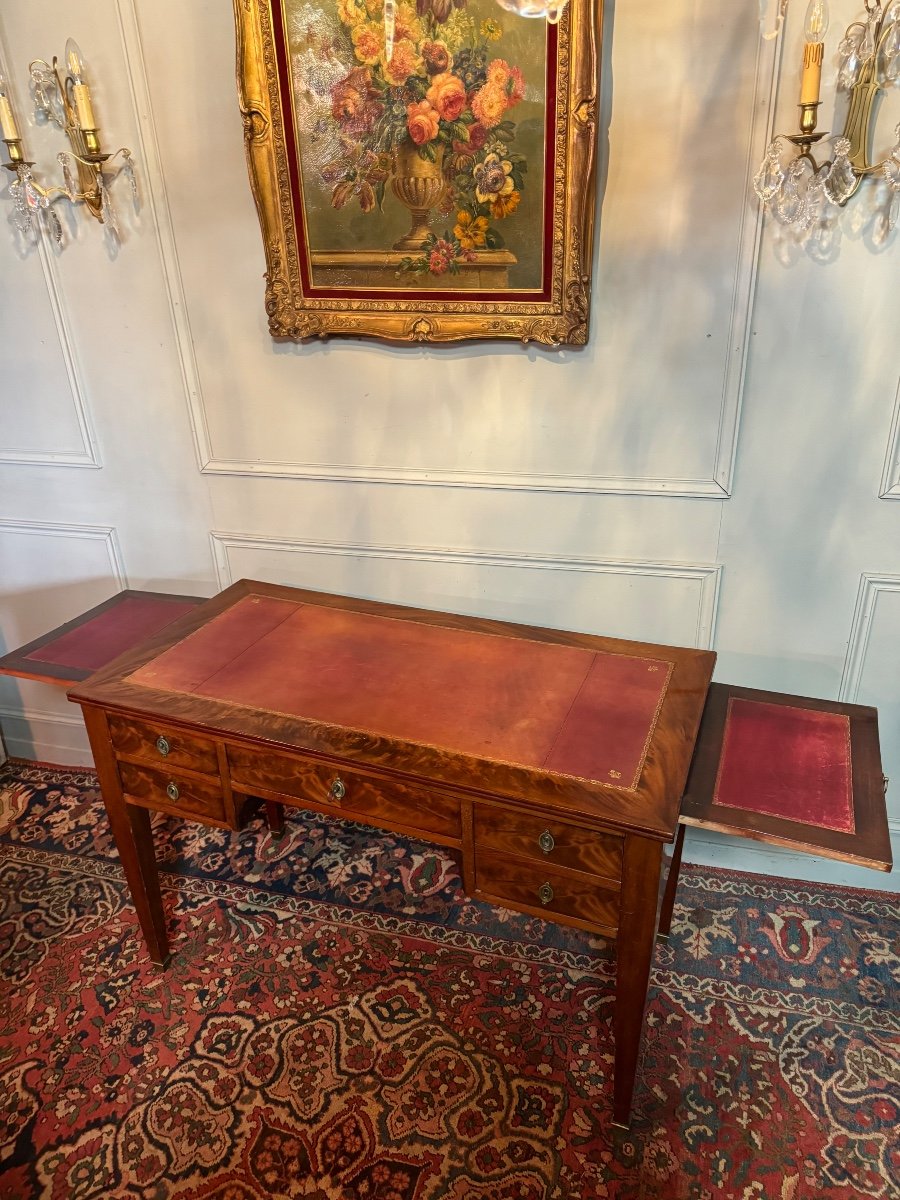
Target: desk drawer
380	801
526	885
163	744
553	843
170	792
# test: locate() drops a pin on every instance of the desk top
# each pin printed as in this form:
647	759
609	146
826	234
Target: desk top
600	725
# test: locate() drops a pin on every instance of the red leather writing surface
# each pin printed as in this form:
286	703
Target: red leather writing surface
514	700
787	762
109	634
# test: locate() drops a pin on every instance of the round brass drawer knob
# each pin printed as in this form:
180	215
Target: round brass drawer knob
545	893
338	791
546	842
173	791
162	745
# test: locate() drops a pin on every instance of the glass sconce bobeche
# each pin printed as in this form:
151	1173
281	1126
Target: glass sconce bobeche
62	96
796	191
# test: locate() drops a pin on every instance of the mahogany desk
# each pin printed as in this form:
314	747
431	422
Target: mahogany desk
552	763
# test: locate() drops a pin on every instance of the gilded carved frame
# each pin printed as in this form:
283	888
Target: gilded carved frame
294	309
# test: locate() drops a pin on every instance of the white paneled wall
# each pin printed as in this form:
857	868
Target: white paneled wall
717	467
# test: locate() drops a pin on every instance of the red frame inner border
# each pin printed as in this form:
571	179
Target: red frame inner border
287	110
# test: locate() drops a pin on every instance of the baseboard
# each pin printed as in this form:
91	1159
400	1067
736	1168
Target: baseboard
45	737
706	849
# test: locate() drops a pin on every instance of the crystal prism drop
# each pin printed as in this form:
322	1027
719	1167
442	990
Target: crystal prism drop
840	181
768	179
891	171
390	24
55	227
132	178
66	163
788	206
107	212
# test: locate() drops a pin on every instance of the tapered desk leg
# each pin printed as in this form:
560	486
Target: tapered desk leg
134	840
668	904
635	940
275	817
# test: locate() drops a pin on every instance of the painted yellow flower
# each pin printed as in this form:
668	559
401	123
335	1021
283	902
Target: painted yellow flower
375	8
405	61
503	205
407	25
368	42
470	231
491	30
458	31
352	12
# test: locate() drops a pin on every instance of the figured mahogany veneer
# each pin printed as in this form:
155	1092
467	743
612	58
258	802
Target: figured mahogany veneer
194	797
582	901
551	842
163	744
552	763
360	797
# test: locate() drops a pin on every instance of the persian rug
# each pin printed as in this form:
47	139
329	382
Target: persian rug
340	1023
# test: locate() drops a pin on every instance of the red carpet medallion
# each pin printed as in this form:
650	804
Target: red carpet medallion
340	1023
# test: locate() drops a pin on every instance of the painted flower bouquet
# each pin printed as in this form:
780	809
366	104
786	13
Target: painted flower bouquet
426	112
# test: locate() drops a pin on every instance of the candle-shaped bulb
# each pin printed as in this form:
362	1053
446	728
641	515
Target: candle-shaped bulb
80	91
74	61
817	19
813	54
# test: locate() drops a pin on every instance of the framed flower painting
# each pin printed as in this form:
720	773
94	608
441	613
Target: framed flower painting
423	169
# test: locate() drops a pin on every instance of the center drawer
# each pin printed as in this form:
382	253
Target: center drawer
380	801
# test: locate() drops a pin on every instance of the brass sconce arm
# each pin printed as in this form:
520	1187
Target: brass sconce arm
63	96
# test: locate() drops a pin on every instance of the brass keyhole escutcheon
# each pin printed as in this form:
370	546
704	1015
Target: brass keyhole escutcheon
338	791
546	842
545	893
173	791
162	745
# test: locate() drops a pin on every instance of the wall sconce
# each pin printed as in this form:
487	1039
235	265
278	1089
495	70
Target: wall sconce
66	101
797	192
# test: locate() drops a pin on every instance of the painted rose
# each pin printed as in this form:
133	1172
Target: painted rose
477	138
447	95
354	104
405	61
437	57
422	122
489	105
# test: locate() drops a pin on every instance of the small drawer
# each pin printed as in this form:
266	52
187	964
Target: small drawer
548	841
520	884
371	799
172	793
163	744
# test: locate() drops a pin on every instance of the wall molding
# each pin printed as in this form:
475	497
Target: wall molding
708	576
718	486
158	199
870	588
100	533
890	476
88	456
